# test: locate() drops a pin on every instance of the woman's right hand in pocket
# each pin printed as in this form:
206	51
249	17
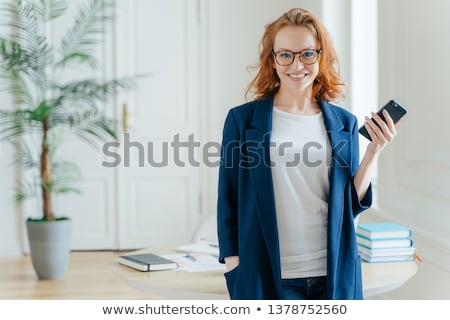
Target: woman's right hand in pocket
231	262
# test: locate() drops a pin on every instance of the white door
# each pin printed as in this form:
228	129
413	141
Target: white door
158	189
130	198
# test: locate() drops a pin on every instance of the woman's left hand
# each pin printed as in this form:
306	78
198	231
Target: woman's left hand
381	134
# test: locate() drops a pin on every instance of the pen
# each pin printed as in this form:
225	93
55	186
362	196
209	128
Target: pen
418	257
191	257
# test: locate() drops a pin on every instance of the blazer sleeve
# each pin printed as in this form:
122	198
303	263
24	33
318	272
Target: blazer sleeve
227	203
358	206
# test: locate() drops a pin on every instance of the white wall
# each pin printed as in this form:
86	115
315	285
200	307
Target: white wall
412	186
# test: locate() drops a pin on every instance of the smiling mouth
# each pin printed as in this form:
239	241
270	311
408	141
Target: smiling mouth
298	76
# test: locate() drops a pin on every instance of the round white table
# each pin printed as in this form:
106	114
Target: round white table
378	278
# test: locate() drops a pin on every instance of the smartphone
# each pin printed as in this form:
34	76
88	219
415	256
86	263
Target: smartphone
395	110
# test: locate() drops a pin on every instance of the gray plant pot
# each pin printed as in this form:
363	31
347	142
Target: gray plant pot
49	247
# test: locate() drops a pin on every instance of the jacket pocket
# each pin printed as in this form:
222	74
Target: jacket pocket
231	278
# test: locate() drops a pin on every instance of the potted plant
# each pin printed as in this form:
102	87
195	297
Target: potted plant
47	103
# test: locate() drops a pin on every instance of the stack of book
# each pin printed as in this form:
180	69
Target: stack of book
385	242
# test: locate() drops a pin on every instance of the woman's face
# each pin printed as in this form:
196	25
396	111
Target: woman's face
297	77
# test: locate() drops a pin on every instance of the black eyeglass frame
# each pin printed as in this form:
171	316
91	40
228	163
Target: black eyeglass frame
299	53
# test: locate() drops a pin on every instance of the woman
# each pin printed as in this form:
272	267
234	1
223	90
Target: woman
290	181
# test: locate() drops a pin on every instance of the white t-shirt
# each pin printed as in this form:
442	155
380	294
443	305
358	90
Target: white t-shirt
300	156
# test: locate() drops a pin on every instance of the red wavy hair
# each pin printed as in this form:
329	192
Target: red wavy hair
328	84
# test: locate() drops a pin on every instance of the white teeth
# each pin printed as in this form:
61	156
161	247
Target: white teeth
297	76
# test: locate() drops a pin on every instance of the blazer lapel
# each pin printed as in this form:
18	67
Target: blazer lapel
257	138
340	141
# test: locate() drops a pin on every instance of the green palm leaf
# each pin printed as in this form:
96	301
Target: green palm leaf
82	37
28	42
27	187
65	174
91	91
17	87
14	124
50	9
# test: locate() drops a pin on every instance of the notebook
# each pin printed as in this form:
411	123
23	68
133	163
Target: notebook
147	262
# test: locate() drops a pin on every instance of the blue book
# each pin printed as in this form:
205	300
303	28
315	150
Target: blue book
386	252
383	230
384	243
402	258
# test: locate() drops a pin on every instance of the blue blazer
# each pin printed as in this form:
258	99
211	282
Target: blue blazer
247	224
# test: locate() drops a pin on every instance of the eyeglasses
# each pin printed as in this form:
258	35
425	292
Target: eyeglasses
287	57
